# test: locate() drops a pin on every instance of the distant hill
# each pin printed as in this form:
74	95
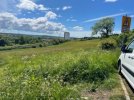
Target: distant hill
9	41
36	36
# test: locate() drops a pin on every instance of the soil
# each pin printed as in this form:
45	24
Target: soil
98	95
129	89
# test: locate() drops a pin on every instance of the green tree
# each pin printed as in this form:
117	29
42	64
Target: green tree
103	27
22	40
2	42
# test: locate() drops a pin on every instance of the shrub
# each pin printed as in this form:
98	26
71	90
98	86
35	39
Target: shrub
33	46
77	72
40	45
125	38
85	71
108	44
2	42
122	39
58	41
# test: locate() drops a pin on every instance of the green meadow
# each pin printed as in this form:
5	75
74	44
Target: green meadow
73	70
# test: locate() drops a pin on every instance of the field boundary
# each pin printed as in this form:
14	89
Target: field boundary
124	89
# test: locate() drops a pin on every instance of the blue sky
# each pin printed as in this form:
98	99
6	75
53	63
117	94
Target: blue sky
56	16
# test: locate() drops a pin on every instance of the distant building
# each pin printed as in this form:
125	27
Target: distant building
66	35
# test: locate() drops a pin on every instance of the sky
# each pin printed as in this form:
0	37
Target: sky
54	17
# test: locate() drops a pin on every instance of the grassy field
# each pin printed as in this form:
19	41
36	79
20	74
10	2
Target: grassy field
73	70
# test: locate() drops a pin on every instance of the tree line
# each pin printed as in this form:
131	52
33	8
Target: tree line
10	40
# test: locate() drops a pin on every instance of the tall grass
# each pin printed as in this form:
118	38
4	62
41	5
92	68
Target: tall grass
56	76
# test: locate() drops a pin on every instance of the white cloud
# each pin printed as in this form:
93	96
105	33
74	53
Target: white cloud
58	9
71	20
8	6
41	7
66	8
41	24
78	28
80	34
51	15
111	0
30	5
96	19
117	31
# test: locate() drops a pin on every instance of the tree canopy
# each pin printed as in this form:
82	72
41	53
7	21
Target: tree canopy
103	27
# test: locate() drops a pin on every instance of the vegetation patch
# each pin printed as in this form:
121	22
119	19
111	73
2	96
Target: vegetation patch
2	62
108	44
59	72
118	97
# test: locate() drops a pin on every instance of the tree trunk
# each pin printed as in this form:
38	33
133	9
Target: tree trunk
107	31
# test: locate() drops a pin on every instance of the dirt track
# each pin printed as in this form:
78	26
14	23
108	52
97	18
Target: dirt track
129	89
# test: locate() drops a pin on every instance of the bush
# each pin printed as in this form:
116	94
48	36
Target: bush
122	39
33	46
2	42
40	45
77	72
57	41
108	44
125	38
85	71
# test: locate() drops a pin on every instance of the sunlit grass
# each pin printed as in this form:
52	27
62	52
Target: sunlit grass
56	72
